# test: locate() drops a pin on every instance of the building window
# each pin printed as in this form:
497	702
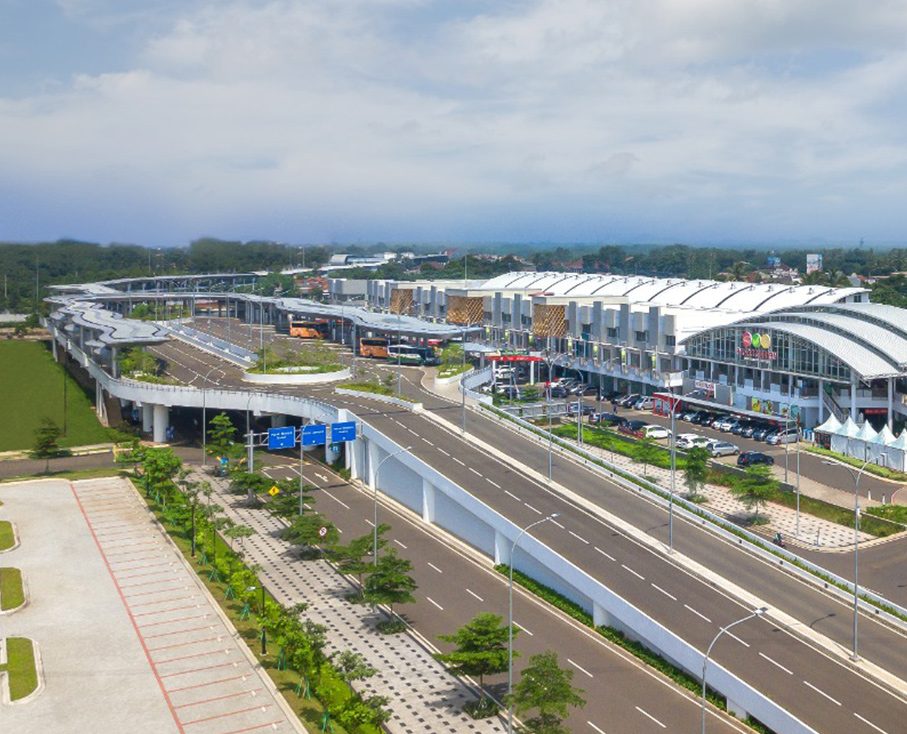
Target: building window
641	336
613	332
670	340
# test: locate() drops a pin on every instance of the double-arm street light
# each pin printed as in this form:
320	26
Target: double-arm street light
205	417
705	661
375	494
855	653
510	620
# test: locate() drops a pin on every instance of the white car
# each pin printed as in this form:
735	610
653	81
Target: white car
655	432
723	424
722	448
686	440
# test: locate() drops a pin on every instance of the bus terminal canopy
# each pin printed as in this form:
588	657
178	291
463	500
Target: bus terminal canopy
509	358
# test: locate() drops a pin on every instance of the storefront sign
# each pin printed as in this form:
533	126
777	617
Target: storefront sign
754	345
705	386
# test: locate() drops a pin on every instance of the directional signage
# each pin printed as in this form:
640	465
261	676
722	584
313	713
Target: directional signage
345	431
281	438
315	434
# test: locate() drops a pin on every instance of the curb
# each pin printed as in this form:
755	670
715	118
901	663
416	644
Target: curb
4	676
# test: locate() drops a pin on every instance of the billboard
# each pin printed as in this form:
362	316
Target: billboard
813	263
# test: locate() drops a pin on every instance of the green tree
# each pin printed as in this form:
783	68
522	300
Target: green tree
285	504
238	532
354	557
46	445
389	582
646	452
696	471
357	711
249	484
160	466
309	531
352	667
193	492
222	437
755	489
481	648
546	688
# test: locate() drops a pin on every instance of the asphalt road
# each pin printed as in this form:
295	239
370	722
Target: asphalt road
621	694
815	688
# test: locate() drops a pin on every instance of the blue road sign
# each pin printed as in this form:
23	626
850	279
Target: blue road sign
315	434
281	438
345	431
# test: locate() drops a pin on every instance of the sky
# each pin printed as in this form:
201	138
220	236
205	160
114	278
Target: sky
358	121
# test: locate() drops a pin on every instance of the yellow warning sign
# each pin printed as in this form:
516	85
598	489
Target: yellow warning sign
274	491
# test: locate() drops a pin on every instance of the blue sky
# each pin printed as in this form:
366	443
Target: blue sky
412	120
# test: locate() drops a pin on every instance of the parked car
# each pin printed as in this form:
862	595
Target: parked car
762	432
688	415
512	392
702	418
559	391
503	373
689	440
722	448
606	418
632	427
655	432
625	402
740	428
751	428
749	458
584	408
645	403
785	435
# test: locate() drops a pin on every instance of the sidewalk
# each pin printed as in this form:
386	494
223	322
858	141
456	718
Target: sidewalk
422	695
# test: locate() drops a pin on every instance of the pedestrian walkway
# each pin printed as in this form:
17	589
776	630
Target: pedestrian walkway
422	695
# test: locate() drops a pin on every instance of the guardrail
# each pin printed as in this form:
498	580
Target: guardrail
782	557
208	343
473	380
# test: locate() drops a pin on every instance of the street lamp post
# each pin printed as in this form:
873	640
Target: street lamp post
375	495
855	653
705	661
510	619
399	366
205	418
673	471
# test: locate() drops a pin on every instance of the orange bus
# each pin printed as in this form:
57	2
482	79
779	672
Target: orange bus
373	347
309	329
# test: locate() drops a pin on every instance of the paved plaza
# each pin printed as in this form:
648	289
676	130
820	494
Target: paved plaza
130	640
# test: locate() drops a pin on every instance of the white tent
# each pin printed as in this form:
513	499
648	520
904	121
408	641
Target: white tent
897	452
878	444
832	425
858	446
841	437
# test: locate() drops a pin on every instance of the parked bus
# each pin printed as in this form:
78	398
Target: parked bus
373	347
309	329
411	354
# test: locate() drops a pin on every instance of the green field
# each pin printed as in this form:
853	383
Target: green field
20	666
11	592
7	537
33	388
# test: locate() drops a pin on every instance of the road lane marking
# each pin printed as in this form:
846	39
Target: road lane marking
580	668
507	491
370	522
638	575
606	555
427	441
435	603
413	432
492	482
742	642
698	614
648	715
322	477
400	544
555	522
775	663
472	593
578	537
869	723
517	624
336	499
666	593
434	567
443	451
600	731
822	693
458	461
474	472
538	512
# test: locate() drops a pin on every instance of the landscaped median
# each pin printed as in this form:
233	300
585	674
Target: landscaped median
8	539
879	471
12	590
378	391
19	663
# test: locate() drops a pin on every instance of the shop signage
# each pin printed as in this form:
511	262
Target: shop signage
754	345
706	386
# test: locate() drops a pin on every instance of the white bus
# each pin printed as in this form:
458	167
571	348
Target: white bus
411	354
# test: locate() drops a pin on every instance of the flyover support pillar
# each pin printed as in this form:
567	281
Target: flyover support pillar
853	398
278	421
890	403
501	548
331	452
428	501
53	346
147	417
161	423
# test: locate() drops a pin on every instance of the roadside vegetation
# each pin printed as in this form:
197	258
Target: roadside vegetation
7	535
879	471
20	667
306	358
452	361
12	593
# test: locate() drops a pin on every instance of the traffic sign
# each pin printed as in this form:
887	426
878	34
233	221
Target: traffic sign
314	434
322	531
343	431
274	491
281	438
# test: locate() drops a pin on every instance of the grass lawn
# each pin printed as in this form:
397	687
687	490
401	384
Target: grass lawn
33	388
11	593
97	473
20	666
6	535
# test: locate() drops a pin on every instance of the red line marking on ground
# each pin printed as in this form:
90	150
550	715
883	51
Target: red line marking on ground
162	601
167	611
229	713
171	621
160	683
199	670
257	726
245	692
149	593
178	632
181	644
220	651
209	683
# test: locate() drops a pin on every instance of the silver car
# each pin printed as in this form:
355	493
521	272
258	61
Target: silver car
723	448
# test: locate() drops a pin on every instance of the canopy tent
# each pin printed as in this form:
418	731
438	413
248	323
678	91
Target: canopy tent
840	439
877	446
858	446
831	425
897	452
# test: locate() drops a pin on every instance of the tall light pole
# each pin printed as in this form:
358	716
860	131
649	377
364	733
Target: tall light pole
705	661
399	367
510	619
205	417
375	494
855	653
548	409
673	470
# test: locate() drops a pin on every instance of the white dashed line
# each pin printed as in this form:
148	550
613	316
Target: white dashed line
648	715
600	731
698	614
474	472
435	603
517	624
580	668
578	537
731	634
370	522
338	501
822	693
606	555
869	723
775	663
443	451
555	522
507	491
666	593
538	512
400	544
458	461
472	593
492	483
413	432
638	575
434	567
427	441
